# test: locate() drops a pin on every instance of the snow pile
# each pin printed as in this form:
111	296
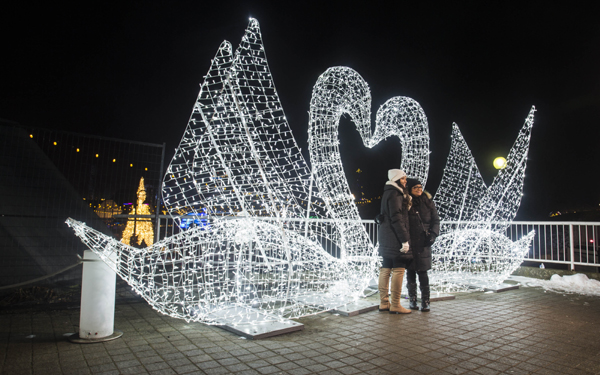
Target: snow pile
578	283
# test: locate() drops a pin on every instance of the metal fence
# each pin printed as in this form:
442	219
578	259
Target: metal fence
47	176
569	243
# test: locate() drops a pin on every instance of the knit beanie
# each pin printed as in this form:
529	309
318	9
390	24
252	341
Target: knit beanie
395	174
411	182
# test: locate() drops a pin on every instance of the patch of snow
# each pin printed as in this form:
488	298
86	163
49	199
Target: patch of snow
578	283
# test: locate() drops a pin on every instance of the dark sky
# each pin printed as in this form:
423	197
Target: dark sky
133	71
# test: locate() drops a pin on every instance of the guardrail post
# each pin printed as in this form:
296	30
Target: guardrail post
572	245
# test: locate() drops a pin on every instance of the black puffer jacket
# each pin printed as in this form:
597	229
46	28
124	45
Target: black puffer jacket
393	231
425	207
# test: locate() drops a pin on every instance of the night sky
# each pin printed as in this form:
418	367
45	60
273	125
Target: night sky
132	71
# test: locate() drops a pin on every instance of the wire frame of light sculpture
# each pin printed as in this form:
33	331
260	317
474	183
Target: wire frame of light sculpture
238	153
339	91
473	250
260	259
255	276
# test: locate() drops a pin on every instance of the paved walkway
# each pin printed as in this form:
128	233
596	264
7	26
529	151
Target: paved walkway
521	331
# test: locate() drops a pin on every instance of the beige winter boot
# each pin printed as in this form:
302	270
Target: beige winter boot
384	288
397	278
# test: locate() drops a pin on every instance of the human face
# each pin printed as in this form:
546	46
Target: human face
417	190
403	181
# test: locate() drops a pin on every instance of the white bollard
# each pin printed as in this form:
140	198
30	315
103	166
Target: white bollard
97	316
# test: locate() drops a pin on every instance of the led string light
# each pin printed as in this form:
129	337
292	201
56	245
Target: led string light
499	206
261	258
462	186
473	249
339	91
239	161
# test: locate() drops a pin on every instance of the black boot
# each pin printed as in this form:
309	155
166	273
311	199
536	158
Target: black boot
412	295
425	298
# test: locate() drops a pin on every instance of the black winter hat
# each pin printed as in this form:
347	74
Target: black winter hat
412	182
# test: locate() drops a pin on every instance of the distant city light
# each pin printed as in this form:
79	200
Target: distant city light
55	143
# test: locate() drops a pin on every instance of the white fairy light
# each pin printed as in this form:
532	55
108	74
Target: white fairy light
465	258
239	162
481	215
339	91
262	258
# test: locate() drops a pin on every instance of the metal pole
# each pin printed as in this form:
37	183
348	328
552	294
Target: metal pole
159	195
572	245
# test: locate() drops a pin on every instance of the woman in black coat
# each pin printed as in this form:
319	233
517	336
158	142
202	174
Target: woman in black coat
393	237
422	218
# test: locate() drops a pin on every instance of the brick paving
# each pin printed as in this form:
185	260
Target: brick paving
524	331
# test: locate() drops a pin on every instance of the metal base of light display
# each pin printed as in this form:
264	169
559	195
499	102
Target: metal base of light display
500	288
356	307
258	331
254	324
74	338
325	303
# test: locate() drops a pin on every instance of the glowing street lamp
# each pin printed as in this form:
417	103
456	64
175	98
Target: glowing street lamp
499	163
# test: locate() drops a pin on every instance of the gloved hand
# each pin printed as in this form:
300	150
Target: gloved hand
404	247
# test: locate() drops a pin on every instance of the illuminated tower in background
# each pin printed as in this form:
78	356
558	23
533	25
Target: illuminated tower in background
139	229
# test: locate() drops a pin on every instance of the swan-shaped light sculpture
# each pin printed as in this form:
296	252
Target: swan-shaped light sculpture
262	258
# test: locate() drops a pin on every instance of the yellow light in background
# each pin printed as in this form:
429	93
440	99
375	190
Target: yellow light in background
30	135
114	160
131	165
96	155
55	143
499	163
145	169
140	228
77	150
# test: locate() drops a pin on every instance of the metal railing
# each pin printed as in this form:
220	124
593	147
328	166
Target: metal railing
565	242
569	243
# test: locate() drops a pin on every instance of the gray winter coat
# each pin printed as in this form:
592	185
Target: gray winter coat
393	231
425	207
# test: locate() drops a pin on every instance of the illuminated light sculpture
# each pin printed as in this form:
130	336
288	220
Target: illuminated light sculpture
238	161
262	259
472	249
140	229
341	90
